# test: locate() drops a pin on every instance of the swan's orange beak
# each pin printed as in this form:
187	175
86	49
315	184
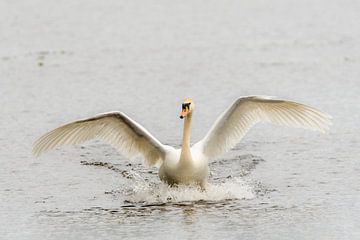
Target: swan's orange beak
183	113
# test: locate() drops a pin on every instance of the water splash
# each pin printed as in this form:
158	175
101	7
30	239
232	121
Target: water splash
141	186
143	192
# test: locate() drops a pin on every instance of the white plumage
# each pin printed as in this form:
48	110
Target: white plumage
186	165
233	123
113	127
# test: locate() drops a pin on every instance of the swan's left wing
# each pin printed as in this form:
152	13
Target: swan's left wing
113	127
245	112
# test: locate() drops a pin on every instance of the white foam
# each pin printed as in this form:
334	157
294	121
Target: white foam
235	188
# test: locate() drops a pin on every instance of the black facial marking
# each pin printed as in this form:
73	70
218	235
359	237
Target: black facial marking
186	106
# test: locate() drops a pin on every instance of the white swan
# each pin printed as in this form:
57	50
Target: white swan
188	165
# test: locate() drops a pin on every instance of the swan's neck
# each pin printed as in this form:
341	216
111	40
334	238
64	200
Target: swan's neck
185	149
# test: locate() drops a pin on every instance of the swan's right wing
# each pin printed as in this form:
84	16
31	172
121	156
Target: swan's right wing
114	127
245	112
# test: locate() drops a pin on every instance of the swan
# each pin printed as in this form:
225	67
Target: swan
188	165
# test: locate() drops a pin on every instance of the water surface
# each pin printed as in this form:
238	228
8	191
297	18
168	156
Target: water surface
61	62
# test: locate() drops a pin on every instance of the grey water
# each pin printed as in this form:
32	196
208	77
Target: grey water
65	60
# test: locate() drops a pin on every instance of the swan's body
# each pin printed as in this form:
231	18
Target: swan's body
188	165
176	170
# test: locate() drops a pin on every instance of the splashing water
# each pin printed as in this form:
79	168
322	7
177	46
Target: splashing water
142	186
144	192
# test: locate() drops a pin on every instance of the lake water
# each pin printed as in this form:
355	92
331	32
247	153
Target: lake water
74	59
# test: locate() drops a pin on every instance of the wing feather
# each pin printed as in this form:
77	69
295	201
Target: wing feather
115	128
245	112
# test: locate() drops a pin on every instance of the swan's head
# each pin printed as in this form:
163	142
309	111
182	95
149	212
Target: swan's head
187	108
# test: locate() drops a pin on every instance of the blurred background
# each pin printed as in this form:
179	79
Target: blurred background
64	60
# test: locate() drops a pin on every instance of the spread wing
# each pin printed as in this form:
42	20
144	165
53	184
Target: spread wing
233	124
114	127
